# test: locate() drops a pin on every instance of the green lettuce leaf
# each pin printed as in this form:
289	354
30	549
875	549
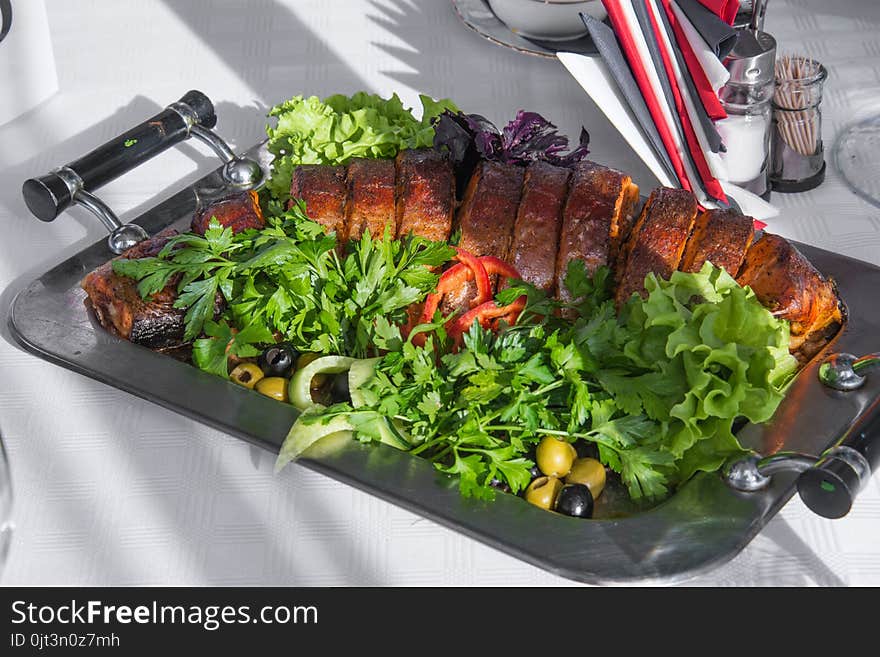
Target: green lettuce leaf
338	128
712	340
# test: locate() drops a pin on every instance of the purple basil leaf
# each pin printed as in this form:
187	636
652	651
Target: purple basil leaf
460	133
487	139
530	137
578	153
453	132
468	138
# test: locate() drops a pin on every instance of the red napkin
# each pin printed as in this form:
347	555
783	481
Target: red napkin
713	187
704	88
622	30
724	9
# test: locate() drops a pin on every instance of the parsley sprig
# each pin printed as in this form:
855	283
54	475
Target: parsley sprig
288	282
655	388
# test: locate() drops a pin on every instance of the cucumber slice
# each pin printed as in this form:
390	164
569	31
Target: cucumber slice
302	436
359	373
300	387
395	436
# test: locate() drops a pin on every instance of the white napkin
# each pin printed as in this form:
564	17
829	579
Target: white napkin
716	164
750	204
712	66
593	75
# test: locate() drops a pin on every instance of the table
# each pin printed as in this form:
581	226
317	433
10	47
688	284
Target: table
112	490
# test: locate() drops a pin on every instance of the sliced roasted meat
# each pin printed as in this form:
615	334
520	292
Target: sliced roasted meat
425	194
790	287
369	202
538	224
238	212
486	218
118	305
322	187
657	240
721	237
596	218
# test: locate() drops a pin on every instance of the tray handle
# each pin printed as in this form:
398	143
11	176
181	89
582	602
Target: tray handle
191	116
50	195
829	483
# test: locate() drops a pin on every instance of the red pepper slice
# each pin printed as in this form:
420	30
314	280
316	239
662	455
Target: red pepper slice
495	265
468	268
452	279
481	276
483	308
485	313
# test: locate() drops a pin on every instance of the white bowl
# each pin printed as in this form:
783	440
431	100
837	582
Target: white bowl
553	20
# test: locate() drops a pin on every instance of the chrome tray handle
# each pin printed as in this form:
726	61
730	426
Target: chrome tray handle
192	116
829	483
846	372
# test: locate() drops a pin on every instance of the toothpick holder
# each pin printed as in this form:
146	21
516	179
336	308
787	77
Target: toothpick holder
797	153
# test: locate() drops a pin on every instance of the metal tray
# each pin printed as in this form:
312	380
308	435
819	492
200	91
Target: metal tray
703	525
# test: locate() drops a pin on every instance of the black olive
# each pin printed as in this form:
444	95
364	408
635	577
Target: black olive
277	360
339	389
535	471
575	500
500	485
587	449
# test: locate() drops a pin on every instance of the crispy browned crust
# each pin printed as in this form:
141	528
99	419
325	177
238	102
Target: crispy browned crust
425	202
118	306
538	224
787	284
238	212
657	240
538	219
721	237
322	187
488	211
486	218
597	212
369	204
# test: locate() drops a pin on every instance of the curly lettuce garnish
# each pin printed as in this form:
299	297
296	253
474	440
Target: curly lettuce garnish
338	128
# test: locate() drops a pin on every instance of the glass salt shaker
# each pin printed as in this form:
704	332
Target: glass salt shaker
746	99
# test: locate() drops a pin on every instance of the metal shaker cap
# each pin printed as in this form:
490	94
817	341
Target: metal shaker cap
752	61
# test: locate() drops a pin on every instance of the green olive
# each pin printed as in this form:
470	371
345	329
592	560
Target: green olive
555	456
246	374
319	389
543	492
274	387
588	472
316	385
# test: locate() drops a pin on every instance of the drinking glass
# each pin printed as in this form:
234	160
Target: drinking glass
856	158
5	507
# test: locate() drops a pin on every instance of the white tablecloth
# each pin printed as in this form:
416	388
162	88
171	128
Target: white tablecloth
112	490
